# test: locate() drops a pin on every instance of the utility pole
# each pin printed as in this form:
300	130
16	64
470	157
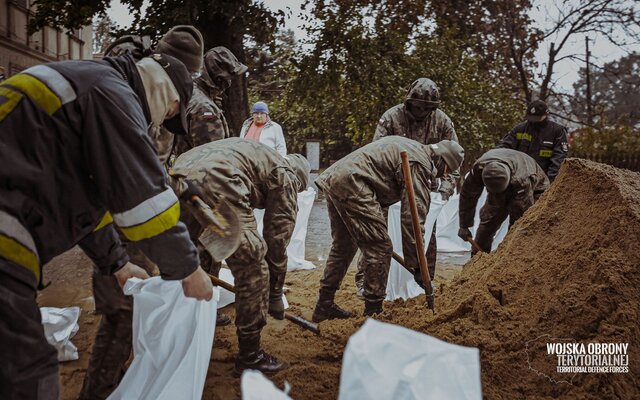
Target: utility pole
588	76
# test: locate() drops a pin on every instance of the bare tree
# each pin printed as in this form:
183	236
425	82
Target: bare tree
617	21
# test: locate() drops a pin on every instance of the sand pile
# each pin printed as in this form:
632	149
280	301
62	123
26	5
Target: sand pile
567	272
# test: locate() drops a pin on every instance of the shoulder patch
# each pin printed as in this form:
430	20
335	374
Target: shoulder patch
565	146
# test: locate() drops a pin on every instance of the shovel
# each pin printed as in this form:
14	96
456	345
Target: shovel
422	260
308	325
221	235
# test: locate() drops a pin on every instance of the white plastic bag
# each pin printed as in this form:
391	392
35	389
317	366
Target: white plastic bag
449	223
400	283
389	362
60	325
254	386
296	247
172	339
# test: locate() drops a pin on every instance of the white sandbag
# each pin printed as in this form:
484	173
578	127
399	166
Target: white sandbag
389	362
227	297
255	386
449	222
172	339
60	325
400	283
296	247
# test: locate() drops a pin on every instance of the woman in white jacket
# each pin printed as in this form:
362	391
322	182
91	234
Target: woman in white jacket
262	129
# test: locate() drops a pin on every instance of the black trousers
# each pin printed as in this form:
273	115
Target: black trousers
29	364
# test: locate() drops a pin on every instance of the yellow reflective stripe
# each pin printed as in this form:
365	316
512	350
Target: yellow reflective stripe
106	220
37	91
14	251
523	135
155	226
146	210
546	153
55	81
8	101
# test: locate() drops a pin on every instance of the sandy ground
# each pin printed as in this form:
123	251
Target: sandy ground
567	270
70	276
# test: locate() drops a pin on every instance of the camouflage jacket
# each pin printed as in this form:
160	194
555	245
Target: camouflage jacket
247	175
206	121
376	170
528	181
436	127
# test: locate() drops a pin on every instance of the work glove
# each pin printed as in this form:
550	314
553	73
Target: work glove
446	189
189	190
464	234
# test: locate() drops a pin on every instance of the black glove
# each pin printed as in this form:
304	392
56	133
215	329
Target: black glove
464	234
192	189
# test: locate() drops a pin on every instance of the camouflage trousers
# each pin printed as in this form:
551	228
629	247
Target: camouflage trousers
357	223
29	366
432	253
493	213
251	280
113	343
250	273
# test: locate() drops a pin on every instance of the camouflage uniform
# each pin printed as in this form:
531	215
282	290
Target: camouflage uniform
527	183
249	175
207	121
358	188
436	127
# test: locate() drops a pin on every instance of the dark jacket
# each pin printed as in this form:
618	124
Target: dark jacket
528	181
76	157
545	142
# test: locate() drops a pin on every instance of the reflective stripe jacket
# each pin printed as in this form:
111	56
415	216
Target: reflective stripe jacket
528	181
545	142
376	169
76	156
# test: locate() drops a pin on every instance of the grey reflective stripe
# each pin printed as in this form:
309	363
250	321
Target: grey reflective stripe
10	226
146	210
55	81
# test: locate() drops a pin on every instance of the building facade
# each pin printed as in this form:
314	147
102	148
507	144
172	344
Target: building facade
19	51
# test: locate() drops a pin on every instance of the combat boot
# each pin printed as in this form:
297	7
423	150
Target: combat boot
276	307
276	304
259	360
372	308
329	310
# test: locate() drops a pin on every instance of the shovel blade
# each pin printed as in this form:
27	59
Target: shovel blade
221	235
